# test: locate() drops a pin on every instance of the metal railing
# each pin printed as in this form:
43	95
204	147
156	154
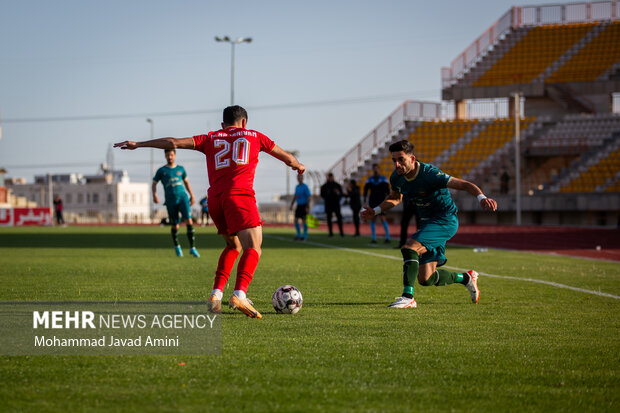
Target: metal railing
523	17
412	111
408	111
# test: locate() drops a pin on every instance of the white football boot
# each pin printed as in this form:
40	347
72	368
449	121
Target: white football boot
472	286
403	302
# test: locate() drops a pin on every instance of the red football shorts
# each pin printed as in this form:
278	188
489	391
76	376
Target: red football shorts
233	213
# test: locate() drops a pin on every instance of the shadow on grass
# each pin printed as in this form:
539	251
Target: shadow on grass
343	304
85	238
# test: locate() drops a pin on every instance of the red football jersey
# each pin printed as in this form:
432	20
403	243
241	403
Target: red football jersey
232	156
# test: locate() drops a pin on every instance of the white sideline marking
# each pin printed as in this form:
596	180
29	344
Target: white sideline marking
506	277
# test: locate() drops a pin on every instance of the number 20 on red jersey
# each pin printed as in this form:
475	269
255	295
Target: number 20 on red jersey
240	152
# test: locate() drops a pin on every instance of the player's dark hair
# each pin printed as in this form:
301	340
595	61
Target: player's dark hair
233	114
375	164
404	146
170	150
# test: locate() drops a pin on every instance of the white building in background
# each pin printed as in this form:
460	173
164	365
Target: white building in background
107	197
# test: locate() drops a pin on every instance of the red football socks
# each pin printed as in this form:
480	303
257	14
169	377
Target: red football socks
245	269
224	267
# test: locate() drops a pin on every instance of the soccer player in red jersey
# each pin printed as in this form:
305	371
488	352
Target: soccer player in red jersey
232	156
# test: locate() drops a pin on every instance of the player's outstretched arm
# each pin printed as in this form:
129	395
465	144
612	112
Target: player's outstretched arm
189	190
161	143
154	191
487	204
390	202
288	159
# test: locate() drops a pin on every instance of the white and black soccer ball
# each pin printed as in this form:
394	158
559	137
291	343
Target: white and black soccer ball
287	300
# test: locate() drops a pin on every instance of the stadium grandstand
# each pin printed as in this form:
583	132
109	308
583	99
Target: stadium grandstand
538	90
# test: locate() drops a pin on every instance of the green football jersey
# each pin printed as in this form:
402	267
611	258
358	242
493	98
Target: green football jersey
428	190
172	179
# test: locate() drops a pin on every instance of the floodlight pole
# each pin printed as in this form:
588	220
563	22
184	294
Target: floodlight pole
232	60
232	73
517	110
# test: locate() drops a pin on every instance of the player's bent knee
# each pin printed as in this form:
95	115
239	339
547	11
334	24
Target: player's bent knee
257	249
427	279
426	283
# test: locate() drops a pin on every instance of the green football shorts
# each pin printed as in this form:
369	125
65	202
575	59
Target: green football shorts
180	207
433	234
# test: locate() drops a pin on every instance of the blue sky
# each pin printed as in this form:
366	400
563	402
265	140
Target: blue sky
129	60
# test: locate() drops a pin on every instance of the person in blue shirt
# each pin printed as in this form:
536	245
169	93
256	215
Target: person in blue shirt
176	187
204	211
378	187
302	198
423	253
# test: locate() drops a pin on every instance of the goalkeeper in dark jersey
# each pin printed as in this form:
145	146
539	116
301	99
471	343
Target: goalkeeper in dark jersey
423	253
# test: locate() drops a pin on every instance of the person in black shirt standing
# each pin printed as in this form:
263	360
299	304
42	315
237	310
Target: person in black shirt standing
331	192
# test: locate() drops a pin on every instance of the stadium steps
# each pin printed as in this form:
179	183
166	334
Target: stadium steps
576	134
539	48
615	186
562	94
493	138
540	171
613	72
494	54
612	184
433	138
592	60
575	49
504	154
534	176
459	144
594	171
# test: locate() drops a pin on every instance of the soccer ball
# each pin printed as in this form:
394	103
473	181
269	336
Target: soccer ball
287	300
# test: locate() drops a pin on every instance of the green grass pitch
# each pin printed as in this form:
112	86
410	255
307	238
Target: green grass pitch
525	347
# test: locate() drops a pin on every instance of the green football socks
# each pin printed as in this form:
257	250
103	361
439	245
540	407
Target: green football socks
445	277
411	267
410	271
190	235
175	239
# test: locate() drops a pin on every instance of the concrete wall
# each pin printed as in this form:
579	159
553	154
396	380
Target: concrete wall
536	106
